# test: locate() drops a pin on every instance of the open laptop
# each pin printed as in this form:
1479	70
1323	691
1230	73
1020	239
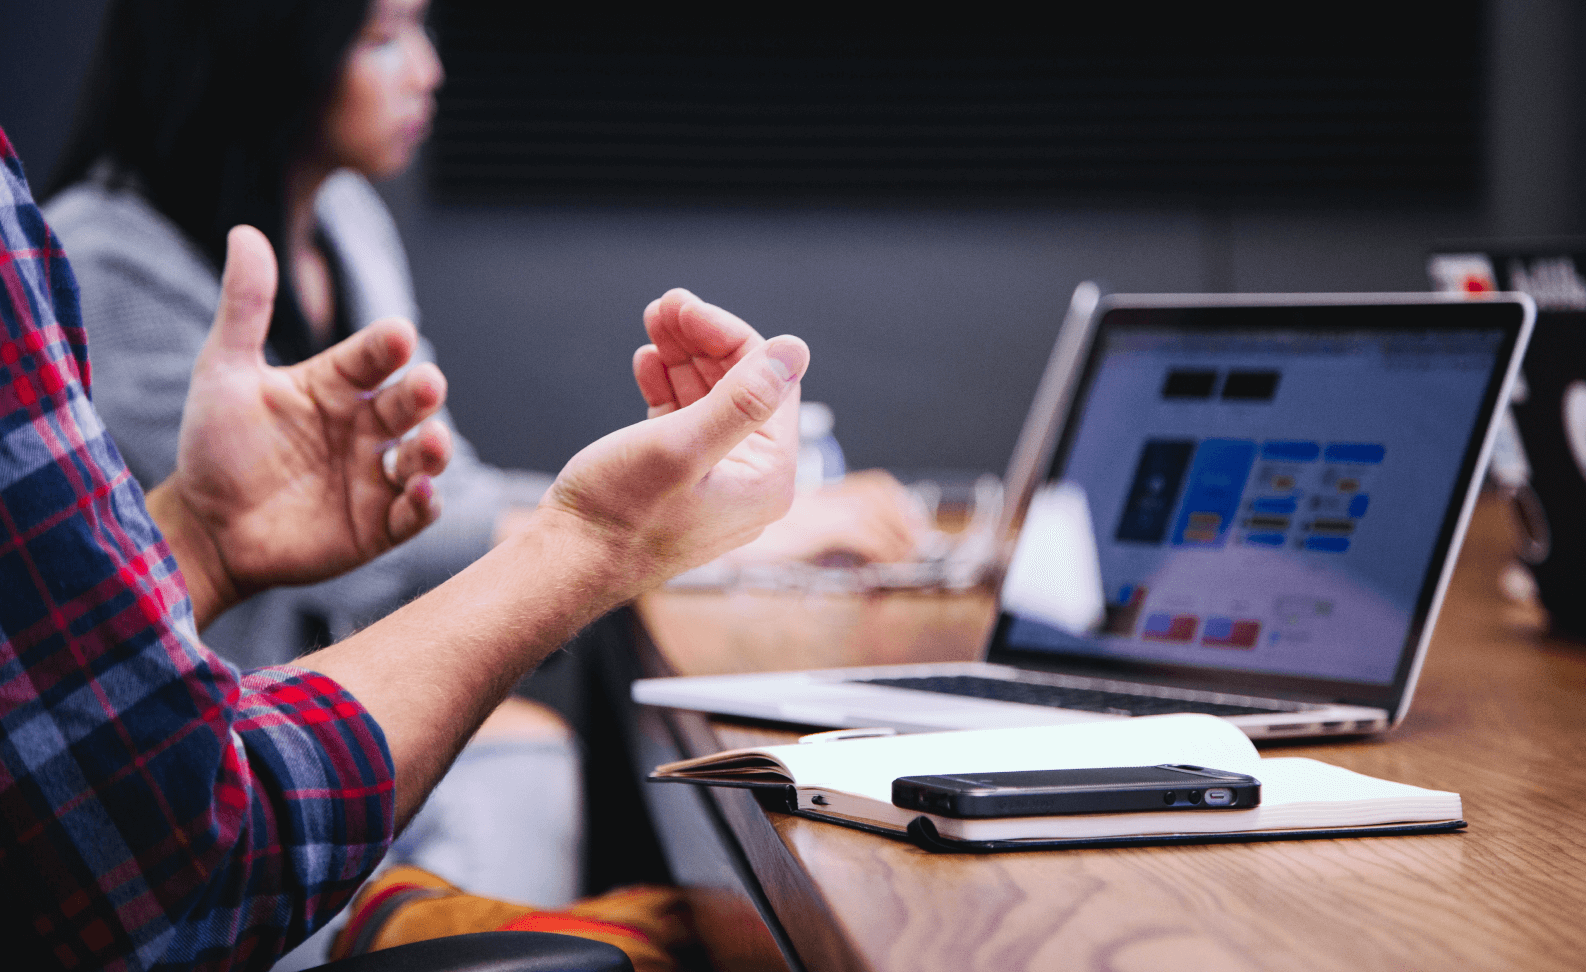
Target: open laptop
1277	487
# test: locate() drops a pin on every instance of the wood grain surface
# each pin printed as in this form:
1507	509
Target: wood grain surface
1500	717
710	633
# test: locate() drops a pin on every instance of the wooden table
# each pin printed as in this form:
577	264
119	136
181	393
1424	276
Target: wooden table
1500	717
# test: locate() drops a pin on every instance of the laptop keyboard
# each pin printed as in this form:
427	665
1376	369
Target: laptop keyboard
1063	697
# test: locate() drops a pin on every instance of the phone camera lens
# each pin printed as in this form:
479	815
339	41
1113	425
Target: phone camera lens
1194	796
1169	797
1219	797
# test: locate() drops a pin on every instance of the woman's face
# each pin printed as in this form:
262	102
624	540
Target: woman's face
384	101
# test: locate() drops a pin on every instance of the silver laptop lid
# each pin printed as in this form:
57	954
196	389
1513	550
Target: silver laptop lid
1032	454
1276	486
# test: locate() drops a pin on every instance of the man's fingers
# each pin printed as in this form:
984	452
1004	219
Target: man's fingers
703	343
660	322
682	327
418	461
666	304
247	294
697	343
426	452
713	332
419	394
372	355
688	384
745	399
649	372
417	507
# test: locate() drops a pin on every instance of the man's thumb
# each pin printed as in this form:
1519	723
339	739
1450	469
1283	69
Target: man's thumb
247	293
748	396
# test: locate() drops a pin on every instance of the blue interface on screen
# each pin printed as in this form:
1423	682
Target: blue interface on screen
1269	501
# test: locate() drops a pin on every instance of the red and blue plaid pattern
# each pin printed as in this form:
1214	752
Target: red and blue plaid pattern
158	810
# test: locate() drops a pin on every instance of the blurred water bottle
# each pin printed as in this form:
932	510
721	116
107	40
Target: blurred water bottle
820	457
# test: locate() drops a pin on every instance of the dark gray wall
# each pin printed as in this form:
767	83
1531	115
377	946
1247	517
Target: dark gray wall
44	50
929	326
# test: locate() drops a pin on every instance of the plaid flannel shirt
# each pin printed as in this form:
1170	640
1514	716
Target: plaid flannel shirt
158	809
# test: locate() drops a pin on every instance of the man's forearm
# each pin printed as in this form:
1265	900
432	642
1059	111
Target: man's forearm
431	672
629	510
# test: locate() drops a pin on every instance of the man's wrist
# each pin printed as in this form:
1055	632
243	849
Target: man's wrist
209	584
584	554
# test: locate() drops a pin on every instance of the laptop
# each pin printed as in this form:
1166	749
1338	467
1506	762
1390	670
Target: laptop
1276	488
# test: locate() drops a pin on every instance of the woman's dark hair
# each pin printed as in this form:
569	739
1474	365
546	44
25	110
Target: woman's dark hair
205	103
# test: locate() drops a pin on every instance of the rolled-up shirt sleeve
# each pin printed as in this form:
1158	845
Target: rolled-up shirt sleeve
158	808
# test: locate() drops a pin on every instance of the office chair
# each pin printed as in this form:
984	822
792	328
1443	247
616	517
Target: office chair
514	951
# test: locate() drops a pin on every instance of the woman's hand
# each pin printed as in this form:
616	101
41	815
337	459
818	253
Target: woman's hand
868	517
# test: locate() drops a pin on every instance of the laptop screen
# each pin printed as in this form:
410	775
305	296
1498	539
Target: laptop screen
1271	490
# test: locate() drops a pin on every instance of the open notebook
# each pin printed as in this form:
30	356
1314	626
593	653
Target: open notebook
849	781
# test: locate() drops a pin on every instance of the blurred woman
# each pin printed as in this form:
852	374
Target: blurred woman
199	115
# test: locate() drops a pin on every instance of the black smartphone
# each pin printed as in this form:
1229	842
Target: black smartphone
1111	789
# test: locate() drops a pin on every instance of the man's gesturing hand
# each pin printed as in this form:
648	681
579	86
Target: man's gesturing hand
279	476
712	466
708	471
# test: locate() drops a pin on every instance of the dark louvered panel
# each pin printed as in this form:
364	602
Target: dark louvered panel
534	109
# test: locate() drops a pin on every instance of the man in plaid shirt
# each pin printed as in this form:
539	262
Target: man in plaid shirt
159	809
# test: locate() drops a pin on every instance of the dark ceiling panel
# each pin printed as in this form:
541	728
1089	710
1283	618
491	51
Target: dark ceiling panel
1332	110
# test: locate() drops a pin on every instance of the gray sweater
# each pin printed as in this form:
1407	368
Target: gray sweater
148	297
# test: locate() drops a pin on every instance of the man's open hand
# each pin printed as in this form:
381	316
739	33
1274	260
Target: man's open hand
279	476
714	463
708	471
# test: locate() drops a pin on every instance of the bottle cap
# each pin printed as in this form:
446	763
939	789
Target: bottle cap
815	421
